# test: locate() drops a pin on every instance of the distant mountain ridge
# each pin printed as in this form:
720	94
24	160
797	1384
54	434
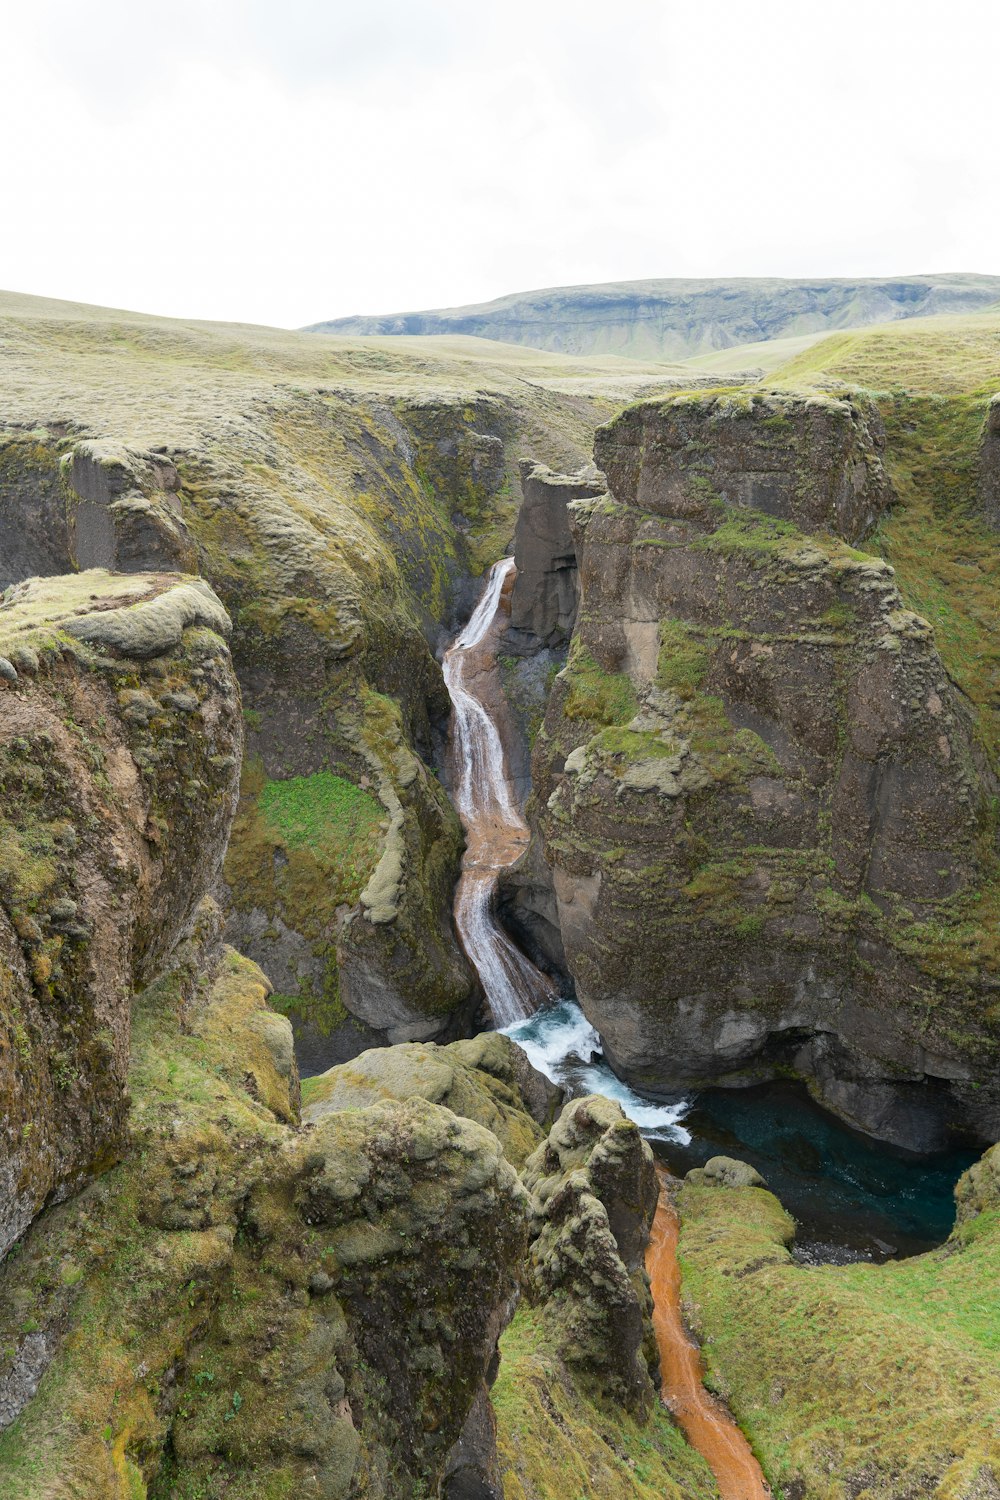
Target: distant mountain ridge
680	319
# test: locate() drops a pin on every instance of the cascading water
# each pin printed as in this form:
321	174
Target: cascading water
496	833
555	1034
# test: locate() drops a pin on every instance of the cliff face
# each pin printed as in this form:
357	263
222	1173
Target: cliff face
93	505
770	824
243	1307
120	742
593	1195
544	601
204	1296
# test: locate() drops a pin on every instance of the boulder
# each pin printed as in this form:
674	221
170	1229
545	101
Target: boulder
726	1171
487	1079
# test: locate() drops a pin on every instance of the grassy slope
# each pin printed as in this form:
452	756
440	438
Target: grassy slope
852	1383
556	1442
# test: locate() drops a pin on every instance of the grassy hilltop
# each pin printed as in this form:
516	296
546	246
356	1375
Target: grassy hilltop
682	318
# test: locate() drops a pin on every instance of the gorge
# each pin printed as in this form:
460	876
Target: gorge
281	1211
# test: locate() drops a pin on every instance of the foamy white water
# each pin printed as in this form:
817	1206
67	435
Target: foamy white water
496	833
561	1043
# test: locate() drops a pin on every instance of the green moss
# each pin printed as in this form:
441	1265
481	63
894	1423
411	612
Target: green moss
301	848
595	695
324	813
874	1380
945	556
683	660
555	1441
327	834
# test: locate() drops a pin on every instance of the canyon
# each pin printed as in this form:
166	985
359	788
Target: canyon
280	1211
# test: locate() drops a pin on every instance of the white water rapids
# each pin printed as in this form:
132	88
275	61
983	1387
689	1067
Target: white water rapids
557	1037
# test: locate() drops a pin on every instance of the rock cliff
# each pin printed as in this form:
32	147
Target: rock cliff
593	1196
120	740
544	601
767	809
197	1295
243	1307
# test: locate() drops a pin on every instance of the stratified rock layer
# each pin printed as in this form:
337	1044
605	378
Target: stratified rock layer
810	459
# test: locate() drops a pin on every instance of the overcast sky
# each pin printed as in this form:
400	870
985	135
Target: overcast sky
282	161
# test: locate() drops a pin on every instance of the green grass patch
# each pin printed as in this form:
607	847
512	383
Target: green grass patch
323	812
946	558
682	661
557	1443
880	1381
597	696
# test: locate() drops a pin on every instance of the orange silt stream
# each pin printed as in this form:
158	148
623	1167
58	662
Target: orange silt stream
707	1427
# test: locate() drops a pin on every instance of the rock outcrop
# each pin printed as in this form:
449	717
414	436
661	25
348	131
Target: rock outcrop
593	1196
766	809
485	1078
92	505
810	460
241	1307
544	600
120	741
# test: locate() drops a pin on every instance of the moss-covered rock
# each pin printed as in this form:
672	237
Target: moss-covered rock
120	739
487	1079
243	1307
770	815
814	460
556	1437
593	1196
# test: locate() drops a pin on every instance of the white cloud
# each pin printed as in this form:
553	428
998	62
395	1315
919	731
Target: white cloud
287	162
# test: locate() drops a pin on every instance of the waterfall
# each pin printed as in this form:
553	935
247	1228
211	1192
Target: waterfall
496	833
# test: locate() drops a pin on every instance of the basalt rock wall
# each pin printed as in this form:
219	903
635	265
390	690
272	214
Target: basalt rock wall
545	595
770	825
